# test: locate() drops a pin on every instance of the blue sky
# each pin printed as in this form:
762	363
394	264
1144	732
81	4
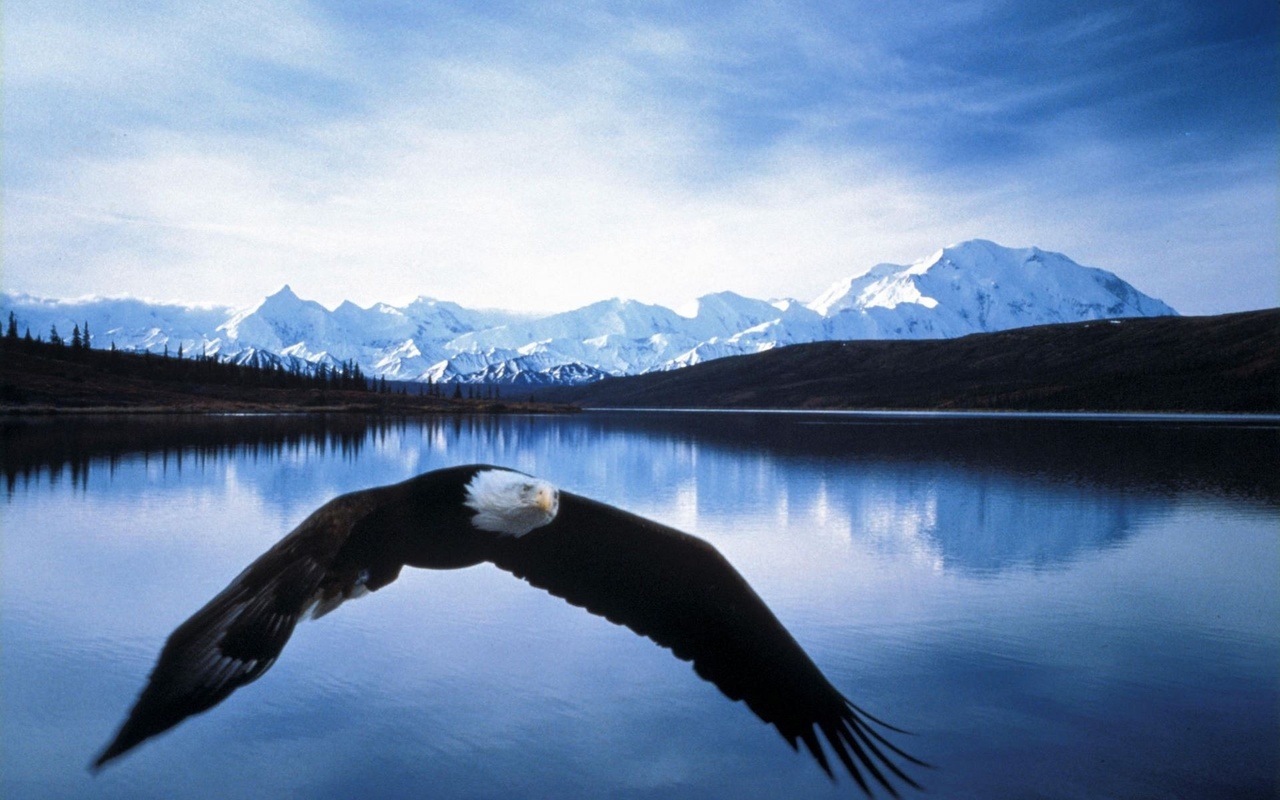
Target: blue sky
542	157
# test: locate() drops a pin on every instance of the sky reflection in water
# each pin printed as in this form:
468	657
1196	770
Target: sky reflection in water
1055	608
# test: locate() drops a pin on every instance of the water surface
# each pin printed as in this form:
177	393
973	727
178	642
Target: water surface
1057	608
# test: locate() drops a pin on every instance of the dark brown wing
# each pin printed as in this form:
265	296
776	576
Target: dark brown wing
239	633
680	592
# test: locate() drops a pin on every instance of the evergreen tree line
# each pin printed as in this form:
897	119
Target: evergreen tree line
79	338
206	369
210	369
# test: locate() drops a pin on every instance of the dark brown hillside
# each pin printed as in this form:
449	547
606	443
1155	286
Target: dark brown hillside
38	377
1227	363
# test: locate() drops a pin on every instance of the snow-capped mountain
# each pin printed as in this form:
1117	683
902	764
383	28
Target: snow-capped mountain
973	287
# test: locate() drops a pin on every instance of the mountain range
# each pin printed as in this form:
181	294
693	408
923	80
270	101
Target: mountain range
973	287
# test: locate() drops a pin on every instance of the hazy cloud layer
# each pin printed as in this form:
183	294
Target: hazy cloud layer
524	157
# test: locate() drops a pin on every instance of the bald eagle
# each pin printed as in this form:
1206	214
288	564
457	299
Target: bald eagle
661	583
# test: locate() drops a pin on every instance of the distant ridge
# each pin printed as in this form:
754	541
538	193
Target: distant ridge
972	287
1228	363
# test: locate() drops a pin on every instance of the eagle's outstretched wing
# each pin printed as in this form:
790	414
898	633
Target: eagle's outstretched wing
238	634
680	592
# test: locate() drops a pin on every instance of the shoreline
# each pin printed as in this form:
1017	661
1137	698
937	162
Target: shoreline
300	410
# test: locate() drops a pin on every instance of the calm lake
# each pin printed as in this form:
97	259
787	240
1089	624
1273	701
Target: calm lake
1055	608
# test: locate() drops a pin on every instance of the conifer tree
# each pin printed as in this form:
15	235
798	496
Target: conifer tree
76	342
12	332
54	338
84	335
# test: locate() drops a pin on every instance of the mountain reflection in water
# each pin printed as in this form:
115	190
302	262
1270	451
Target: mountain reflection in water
1054	607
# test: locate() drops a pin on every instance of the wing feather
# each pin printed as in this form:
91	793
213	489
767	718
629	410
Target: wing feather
680	592
238	635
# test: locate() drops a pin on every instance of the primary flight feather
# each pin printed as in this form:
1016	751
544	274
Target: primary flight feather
661	583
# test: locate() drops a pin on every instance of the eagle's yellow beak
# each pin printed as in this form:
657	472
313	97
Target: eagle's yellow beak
547	500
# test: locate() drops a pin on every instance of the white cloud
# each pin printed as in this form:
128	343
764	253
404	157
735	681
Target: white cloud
241	149
538	215
476	183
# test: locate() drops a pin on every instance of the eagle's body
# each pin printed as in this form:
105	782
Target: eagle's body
663	584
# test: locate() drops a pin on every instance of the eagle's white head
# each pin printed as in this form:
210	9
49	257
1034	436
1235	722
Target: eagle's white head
510	502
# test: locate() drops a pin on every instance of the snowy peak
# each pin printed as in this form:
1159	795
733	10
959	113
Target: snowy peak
725	304
618	316
838	297
284	295
724	314
970	287
283	321
978	286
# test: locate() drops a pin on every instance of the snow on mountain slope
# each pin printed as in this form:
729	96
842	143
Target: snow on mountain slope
976	286
534	370
629	319
724	314
285	321
127	322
